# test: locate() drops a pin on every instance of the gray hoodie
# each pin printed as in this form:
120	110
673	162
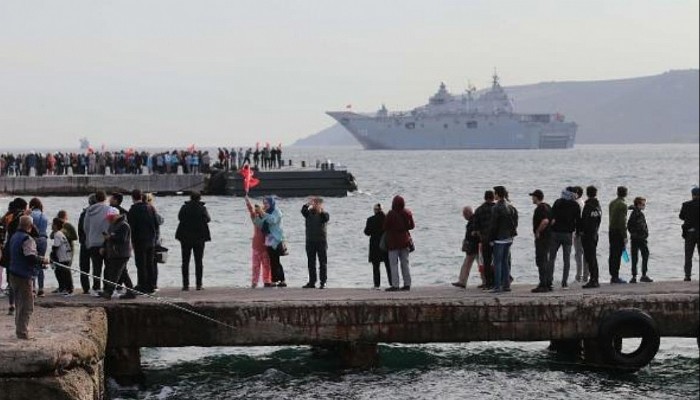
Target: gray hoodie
96	223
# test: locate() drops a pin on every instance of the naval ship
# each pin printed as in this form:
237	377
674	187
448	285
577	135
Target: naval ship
468	121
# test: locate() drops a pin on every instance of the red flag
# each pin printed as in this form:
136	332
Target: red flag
190	148
248	180
90	150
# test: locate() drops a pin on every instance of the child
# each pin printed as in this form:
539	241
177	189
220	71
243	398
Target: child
261	261
61	253
639	233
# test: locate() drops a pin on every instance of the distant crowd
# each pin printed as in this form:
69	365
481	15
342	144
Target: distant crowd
129	161
109	236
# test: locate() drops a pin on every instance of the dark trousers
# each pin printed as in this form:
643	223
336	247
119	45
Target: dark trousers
487	257
313	250
276	268
691	245
187	250
144	255
84	265
542	260
64	277
617	246
590	244
97	260
375	272
115	270
565	241
639	246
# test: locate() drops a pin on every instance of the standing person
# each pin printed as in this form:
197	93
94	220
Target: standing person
23	260
581	267
690	214
588	231
398	223
260	258
270	221
62	253
639	233
116	200
617	233
95	224
41	224
16	209
470	246
150	202
482	226
504	225
193	232
374	228
566	215
84	253
540	228
316	244
68	229
142	221
117	251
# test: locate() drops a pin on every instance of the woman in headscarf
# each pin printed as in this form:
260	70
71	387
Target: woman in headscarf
270	221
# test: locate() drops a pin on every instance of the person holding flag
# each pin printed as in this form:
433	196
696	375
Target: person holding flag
248	180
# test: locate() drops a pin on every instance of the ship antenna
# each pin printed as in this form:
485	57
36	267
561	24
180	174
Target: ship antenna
495	77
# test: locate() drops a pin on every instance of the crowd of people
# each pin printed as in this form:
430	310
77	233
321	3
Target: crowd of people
570	222
109	236
129	161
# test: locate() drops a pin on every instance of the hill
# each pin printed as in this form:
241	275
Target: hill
652	109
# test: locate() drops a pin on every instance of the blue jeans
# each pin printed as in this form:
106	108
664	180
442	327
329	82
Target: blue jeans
501	266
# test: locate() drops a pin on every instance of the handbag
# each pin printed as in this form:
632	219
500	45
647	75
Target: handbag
382	242
282	248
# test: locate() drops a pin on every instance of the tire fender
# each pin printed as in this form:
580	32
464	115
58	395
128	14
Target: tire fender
631	322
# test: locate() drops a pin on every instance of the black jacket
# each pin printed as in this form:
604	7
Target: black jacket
118	243
690	214
194	223
504	221
566	215
637	224
374	228
590	218
142	220
315	224
482	219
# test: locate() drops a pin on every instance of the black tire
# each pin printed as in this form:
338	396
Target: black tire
624	324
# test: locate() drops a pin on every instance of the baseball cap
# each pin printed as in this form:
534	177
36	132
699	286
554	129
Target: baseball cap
537	193
695	191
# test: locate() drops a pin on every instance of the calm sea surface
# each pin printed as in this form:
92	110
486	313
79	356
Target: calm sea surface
436	185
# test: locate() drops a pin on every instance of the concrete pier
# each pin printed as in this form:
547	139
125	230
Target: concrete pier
79	185
350	322
64	360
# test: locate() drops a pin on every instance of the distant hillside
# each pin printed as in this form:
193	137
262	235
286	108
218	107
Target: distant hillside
654	109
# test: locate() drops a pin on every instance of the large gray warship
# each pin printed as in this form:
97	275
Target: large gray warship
468	121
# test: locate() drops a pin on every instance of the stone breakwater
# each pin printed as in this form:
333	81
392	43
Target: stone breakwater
63	360
79	185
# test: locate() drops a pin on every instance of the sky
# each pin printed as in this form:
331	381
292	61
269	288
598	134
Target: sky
174	73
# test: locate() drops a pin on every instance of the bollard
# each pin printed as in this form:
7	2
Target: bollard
332	167
180	170
32	171
303	164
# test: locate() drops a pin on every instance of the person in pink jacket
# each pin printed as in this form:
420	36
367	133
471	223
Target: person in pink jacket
261	261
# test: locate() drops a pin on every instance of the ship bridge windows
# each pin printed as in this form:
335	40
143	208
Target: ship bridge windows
472	125
410	125
543	118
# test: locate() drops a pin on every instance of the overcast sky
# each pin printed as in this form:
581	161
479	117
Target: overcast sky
155	73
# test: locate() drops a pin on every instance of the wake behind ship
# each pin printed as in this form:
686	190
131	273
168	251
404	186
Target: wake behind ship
450	122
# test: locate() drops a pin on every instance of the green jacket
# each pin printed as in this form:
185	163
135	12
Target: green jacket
618	216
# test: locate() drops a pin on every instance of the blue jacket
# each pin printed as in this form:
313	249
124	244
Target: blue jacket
22	265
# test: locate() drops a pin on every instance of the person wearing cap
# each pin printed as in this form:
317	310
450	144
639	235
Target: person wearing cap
690	214
117	251
588	232
540	228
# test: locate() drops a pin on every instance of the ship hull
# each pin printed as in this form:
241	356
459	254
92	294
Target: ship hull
451	132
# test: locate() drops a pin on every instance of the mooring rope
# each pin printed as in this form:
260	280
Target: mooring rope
157	298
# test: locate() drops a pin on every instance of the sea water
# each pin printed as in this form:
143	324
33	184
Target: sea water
436	185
